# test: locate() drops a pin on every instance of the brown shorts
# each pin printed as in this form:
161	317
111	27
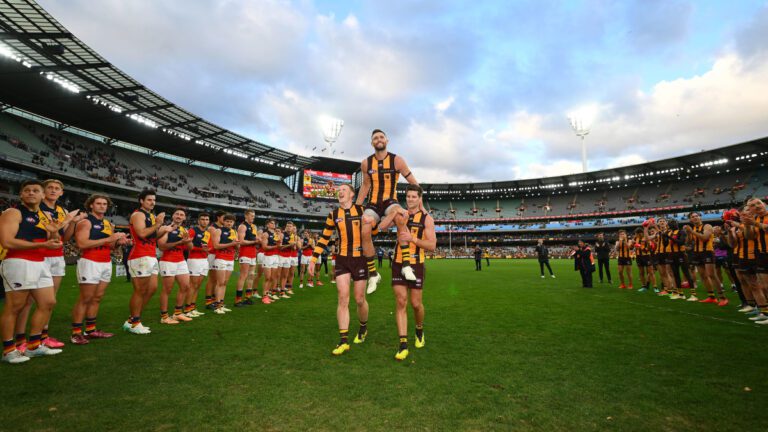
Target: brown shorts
381	207
355	266
398	279
762	263
703	258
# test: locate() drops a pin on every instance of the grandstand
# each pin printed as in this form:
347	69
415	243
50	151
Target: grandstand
70	113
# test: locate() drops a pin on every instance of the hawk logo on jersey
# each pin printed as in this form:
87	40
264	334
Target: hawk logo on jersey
339	220
372	171
31	219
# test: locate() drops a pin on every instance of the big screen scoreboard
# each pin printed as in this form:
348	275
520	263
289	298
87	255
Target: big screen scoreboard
324	184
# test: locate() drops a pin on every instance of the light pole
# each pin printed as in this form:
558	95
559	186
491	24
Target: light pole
581	127
582	130
331	128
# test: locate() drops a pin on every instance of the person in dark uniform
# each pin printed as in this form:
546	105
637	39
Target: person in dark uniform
478	258
380	255
603	251
543	255
585	263
390	255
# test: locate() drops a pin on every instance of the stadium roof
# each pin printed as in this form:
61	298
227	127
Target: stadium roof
46	70
725	158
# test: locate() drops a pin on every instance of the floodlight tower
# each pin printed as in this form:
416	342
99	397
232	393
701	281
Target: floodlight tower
582	128
331	128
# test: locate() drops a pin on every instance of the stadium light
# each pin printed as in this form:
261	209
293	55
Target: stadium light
331	128
581	122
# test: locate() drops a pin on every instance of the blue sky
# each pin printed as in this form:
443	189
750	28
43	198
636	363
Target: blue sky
465	92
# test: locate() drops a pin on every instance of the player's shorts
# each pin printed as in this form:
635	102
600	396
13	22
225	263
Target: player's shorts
198	266
168	268
223	265
57	265
357	267
284	262
661	257
294	261
270	261
747	266
702	258
672	258
20	274
143	267
625	261
643	260
762	263
379	210
260	258
398	279
93	272
247	260
722	261
654	260
211	258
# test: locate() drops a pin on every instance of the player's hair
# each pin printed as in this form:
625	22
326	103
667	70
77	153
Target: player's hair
415	188
672	223
229	217
693	213
219	213
638	230
49	181
181	210
270	220
352	189
91	199
288	223
622	231
145	193
249	211
375	131
30	183
204	214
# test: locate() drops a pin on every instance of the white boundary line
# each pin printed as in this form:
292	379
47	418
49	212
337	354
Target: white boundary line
679	311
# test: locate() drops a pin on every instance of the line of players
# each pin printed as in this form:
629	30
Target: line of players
681	254
33	236
37	230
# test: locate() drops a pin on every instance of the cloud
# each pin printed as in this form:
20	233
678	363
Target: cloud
658	25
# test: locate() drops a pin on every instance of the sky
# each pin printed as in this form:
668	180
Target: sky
465	91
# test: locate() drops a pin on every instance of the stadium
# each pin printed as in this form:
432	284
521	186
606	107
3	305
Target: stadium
511	347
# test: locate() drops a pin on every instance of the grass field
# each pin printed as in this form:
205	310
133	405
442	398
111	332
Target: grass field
505	350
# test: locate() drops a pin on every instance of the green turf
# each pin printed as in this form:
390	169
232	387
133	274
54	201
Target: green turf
505	350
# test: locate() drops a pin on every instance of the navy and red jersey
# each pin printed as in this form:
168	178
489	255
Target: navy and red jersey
144	247
57	214
228	235
272	239
200	237
31	229
100	229
251	232
176	253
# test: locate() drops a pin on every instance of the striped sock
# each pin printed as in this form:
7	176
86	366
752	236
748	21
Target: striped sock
90	325
177	310
34	342
363	327
188	308
9	346
403	342
135	321
419	330
77	328
238	296
344	336
248	293
164	314
192	306
44	334
371	266
208	300
405	252
21	339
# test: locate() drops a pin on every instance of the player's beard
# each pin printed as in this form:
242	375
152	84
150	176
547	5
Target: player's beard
380	146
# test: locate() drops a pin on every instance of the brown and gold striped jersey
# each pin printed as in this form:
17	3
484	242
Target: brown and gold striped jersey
348	224
383	177
417	227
